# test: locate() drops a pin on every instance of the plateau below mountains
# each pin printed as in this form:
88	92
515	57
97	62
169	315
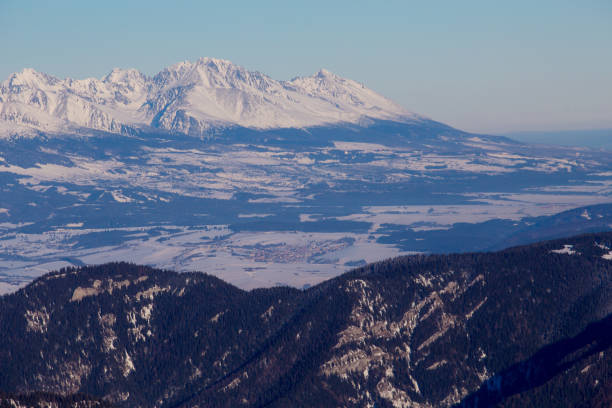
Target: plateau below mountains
527	326
207	166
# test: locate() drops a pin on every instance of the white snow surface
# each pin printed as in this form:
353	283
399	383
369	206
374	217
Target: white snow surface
189	98
567	249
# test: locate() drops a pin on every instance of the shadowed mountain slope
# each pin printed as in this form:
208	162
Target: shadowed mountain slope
412	331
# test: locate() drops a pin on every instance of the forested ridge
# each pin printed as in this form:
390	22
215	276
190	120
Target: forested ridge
425	330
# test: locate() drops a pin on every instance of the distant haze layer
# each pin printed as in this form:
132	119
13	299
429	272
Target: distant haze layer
595	138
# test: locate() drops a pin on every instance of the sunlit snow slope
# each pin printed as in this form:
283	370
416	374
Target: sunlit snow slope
189	98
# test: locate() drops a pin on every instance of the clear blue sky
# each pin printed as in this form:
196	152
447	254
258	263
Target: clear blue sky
485	66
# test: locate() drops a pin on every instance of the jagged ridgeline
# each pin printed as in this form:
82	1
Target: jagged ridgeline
527	326
189	98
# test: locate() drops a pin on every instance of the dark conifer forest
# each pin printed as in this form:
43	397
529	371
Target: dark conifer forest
527	326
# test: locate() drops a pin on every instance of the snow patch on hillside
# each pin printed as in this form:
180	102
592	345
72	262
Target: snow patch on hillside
567	249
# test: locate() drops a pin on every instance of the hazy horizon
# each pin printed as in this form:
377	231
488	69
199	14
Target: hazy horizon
476	66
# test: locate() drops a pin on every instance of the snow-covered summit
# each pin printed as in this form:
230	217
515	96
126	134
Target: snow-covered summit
187	97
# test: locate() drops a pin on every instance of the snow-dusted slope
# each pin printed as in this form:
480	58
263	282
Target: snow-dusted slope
187	98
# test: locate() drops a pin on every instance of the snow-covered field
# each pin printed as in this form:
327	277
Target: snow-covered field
247	259
279	210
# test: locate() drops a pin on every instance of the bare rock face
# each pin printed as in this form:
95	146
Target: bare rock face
49	400
420	331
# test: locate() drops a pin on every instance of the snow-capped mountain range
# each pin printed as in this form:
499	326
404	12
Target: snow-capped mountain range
189	98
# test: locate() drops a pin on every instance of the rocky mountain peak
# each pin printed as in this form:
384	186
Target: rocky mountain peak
188	97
